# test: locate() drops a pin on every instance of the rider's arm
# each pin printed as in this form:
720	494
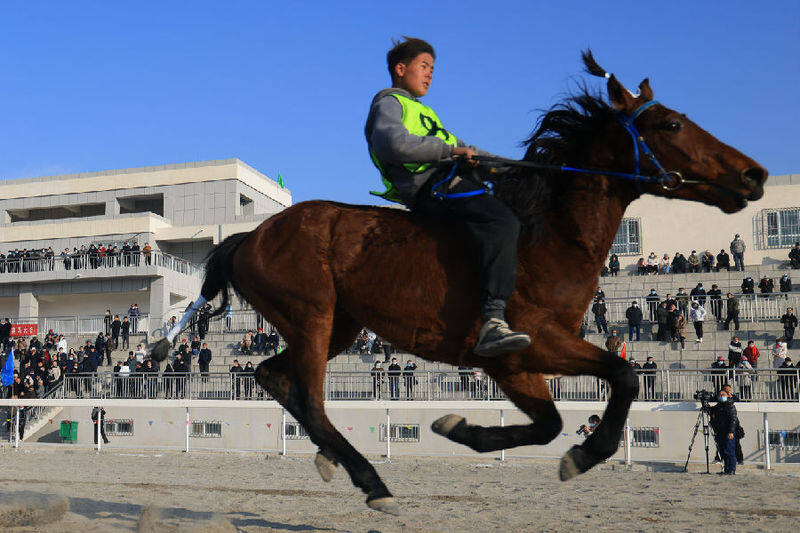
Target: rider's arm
392	142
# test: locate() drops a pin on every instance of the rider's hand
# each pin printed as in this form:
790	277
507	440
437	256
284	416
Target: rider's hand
730	436
465	153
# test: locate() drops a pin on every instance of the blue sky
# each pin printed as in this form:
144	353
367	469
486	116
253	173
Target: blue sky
87	86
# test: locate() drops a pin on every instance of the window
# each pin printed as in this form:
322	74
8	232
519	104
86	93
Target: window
781	438
56	213
295	431
643	437
247	205
119	427
626	241
206	429
400	433
782	227
142	204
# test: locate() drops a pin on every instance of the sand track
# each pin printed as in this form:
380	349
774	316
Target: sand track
166	491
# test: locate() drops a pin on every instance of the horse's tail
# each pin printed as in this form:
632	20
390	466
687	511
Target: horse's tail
219	271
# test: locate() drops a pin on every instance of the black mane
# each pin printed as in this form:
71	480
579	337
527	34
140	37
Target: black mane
561	135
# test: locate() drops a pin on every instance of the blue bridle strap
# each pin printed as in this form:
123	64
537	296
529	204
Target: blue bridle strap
454	195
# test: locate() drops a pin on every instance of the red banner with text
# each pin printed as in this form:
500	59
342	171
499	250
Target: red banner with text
24	330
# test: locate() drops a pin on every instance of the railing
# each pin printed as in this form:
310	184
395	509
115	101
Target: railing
34	413
84	262
752	307
86	324
770	385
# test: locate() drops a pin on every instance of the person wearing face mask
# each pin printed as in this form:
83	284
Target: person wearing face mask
697	316
724	420
634	316
614	342
588	429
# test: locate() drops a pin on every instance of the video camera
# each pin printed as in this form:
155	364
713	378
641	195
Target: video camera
703	396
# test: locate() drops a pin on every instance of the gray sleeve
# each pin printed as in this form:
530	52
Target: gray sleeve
392	142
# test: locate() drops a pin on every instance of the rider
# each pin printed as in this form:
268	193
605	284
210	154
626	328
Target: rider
418	160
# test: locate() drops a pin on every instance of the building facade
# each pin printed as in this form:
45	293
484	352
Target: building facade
180	211
769	226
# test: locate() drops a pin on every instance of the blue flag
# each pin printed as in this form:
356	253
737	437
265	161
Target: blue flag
7	375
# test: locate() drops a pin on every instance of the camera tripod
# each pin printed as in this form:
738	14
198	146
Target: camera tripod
702	420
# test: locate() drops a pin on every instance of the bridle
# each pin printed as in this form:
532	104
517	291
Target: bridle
668	180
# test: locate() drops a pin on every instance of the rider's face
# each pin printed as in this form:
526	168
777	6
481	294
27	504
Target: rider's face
416	75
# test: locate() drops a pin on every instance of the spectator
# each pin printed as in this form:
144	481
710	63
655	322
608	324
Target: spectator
766	285
694	262
652	263
649	371
665	267
715	297
751	353
125	330
246	344
707	261
5	333
393	373
699	294
734	352
744	375
683	302
662	315
599	294
719	372
613	265
273	341
116	326
670	301
634	365
652	304
634	316
788	379
195	346
794	255
785	283
641	267
99	419
732	307
778	354
724	421
147	251
723	261
678	327
737	250
260	342
697	315
748	285
248	375
377	380
679	264
228	317
133	312
599	311
107	321
614	342
181	369
789	321
140	353
408	378
204	359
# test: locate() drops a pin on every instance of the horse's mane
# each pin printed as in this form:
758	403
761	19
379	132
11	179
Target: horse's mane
562	132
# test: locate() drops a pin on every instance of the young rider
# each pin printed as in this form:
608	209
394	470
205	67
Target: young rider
416	156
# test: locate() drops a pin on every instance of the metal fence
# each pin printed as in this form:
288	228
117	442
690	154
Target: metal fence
85	324
767	385
752	307
83	262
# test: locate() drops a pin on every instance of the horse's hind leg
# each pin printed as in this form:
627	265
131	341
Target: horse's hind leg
530	393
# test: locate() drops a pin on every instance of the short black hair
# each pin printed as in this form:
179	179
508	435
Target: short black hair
406	50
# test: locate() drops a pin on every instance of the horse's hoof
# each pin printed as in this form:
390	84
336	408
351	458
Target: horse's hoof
444	425
572	463
160	350
325	467
385	505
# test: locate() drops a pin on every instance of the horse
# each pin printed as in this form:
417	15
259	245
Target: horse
313	271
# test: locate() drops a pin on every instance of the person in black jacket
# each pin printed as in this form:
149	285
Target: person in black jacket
408	377
794	255
99	418
723	261
204	359
715	297
634	316
724	420
785	283
5	333
649	371
789	321
699	294
599	311
652	303
748	285
766	285
393	372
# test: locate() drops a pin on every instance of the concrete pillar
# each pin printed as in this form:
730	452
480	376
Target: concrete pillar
28	305
112	207
159	303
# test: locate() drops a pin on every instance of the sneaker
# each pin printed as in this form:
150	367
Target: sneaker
496	338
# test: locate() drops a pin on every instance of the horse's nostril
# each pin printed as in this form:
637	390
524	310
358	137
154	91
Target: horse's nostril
754	174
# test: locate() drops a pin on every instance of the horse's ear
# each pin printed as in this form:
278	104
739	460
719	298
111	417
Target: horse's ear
645	92
621	98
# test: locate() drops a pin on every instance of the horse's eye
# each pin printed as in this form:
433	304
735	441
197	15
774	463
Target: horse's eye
673	126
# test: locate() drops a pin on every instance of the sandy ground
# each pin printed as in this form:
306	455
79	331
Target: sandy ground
208	492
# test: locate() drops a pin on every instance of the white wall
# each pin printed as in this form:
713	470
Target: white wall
92	304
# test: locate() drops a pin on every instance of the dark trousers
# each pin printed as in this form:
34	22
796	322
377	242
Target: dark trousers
493	231
601	323
633	328
738	261
735	318
727	449
698	329
788	334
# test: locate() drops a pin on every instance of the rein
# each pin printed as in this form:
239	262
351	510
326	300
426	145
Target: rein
669	180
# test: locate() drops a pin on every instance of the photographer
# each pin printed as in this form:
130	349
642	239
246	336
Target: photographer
585	430
724	421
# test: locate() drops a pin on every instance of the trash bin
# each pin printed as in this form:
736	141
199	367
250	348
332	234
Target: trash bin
69	431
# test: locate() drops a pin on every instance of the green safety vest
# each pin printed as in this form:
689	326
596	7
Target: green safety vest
421	120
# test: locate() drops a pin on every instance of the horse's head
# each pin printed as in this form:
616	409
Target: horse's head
695	165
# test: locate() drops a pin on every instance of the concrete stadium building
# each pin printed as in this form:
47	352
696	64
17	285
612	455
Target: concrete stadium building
769	226
180	210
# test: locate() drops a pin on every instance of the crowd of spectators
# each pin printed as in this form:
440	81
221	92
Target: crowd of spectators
92	256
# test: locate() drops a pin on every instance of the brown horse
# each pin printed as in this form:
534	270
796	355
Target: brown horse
314	269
